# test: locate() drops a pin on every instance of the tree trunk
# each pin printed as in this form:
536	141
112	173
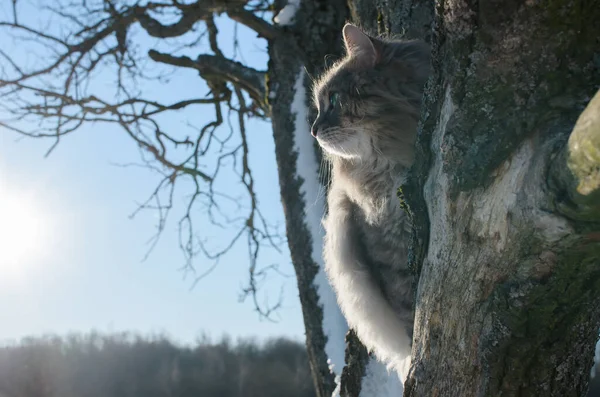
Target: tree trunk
507	248
507	302
301	49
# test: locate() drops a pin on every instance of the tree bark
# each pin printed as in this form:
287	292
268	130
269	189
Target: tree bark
506	301
506	211
505	201
314	34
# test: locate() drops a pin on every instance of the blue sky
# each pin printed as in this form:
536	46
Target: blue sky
86	270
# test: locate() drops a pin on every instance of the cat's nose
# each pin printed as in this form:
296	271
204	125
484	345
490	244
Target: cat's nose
320	124
314	129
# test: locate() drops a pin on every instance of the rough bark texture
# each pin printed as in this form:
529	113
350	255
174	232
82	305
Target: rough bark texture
357	358
410	19
315	34
507	247
507	302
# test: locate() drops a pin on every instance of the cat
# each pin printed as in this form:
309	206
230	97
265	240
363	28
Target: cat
368	108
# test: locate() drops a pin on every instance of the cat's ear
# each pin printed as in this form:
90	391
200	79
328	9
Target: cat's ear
359	46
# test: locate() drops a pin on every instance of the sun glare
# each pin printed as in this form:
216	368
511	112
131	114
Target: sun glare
22	229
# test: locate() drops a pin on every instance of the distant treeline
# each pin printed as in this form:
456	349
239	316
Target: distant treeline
127	365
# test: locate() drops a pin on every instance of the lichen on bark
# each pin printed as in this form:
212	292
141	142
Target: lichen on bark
584	149
506	273
506	248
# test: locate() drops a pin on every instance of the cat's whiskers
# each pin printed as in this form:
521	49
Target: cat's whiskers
324	178
312	79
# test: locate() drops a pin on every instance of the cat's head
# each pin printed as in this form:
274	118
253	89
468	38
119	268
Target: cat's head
368	102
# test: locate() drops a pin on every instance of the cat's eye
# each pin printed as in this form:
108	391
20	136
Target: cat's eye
333	99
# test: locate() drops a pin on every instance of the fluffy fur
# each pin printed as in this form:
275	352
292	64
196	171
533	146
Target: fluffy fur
368	107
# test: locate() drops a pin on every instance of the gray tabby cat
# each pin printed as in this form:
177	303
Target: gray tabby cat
368	107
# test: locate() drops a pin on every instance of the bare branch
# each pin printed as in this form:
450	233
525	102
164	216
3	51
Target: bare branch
212	36
214	67
259	25
53	97
190	15
14	9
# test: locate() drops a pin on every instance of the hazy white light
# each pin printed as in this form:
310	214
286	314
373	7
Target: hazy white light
23	233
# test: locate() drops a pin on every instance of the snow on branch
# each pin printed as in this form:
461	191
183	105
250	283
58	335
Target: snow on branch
287	14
